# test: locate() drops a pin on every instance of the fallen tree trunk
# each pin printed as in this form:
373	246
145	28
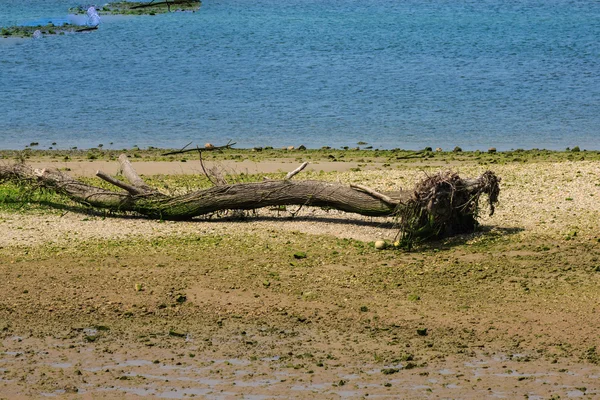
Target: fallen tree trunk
442	204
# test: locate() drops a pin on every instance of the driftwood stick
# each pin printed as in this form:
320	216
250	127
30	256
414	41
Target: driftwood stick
113	181
39	172
204	169
229	145
168	3
377	195
133	176
291	174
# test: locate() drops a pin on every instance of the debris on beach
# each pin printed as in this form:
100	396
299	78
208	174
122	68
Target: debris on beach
380	244
441	205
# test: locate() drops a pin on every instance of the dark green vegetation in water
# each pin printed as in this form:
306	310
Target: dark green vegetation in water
142	8
117	8
50	29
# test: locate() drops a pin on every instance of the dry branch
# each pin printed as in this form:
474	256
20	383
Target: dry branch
160	3
377	195
229	145
120	184
290	175
132	176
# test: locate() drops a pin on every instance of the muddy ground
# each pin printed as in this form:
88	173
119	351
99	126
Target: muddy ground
100	306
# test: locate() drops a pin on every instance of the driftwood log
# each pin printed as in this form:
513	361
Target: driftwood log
442	204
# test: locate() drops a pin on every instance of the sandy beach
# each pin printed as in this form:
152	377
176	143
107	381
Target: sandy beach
101	306
89	168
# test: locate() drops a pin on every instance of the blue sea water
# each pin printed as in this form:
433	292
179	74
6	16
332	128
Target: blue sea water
396	74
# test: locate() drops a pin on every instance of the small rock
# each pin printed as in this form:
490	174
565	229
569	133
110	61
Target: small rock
380	245
390	371
71	389
90	338
309	296
299	255
492	150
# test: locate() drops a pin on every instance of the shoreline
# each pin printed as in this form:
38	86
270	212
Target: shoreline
252	161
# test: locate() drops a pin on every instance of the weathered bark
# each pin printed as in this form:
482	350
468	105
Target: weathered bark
443	204
241	196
